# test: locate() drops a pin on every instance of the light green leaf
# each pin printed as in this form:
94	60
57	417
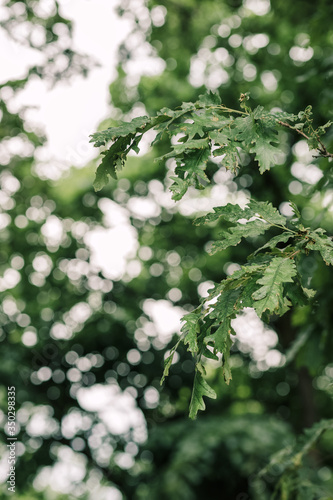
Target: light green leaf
295	209
174	114
200	389
233	213
269	297
210	120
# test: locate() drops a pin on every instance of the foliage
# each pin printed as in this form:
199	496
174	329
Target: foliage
287	464
270	282
281	55
206	126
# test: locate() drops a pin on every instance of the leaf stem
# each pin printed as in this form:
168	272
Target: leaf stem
322	149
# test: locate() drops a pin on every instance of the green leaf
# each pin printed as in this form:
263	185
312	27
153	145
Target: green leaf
295	209
249	286
226	361
233	213
123	130
179	149
236	233
178	188
298	294
200	389
280	238
210	120
191	329
264	153
223	344
113	160
269	297
323	244
168	361
174	114
229	212
209	99
192	129
209	354
229	152
245	130
191	172
266	211
225	307
284	116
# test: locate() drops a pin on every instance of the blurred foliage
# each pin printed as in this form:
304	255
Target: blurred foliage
67	326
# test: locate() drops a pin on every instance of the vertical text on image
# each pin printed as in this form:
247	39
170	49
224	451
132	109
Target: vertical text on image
11	439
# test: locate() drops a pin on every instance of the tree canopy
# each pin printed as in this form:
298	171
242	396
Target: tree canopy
85	345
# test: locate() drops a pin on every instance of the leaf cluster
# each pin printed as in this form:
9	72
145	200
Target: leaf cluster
270	282
202	129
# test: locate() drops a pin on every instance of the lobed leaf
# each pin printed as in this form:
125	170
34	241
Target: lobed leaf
264	153
191	329
269	297
168	361
323	244
235	234
209	99
200	389
280	238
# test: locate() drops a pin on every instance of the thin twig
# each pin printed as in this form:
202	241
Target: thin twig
323	153
284	124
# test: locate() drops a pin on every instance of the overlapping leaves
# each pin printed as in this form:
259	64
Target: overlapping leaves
270	282
205	128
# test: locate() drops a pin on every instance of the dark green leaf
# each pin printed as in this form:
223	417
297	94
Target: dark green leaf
200	389
191	329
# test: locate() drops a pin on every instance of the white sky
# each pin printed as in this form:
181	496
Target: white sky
71	111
